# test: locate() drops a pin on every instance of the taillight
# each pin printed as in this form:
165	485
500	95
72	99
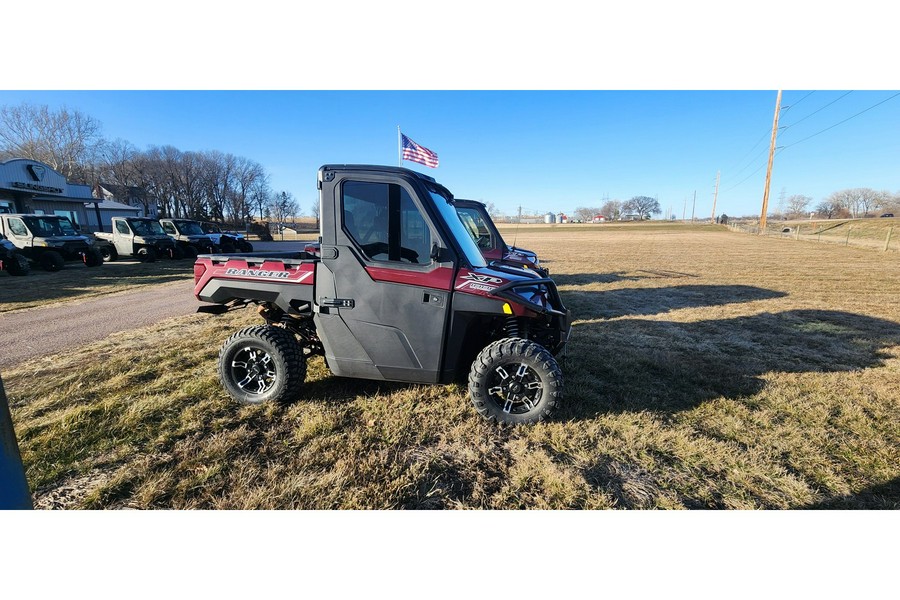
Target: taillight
199	270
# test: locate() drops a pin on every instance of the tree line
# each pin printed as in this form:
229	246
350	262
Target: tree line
848	203
205	185
843	204
643	206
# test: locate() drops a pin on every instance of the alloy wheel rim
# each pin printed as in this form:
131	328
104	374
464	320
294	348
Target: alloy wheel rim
253	370
515	387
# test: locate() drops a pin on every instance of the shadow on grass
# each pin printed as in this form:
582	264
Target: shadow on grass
652	301
76	280
636	365
885	496
563	279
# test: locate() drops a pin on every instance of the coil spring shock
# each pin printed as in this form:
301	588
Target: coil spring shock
511	329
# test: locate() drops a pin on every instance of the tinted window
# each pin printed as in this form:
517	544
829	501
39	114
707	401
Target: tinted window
385	222
122	228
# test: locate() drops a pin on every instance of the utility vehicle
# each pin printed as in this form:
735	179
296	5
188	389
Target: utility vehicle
140	237
48	240
400	292
11	260
228	241
477	220
188	236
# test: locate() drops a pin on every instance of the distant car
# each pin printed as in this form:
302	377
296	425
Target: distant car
887	215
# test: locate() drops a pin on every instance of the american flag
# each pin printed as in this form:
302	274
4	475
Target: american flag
416	153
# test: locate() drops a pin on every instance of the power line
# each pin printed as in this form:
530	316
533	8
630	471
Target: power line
777	152
765	134
844	121
821	109
785	109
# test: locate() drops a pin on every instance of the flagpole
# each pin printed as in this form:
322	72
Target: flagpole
399	148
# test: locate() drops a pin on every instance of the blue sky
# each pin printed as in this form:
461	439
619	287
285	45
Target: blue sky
649	98
542	150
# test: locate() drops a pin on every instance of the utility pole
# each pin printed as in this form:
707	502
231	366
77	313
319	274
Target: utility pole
520	215
715	197
684	209
694	206
765	203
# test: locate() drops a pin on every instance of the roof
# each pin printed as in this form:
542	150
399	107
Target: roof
110	205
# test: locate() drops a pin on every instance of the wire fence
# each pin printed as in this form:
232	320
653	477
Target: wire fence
861	233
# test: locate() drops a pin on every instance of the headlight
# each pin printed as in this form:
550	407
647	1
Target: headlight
533	294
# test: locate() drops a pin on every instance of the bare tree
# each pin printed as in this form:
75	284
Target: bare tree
797	205
66	140
316	212
642	205
586	213
611	209
828	208
284	206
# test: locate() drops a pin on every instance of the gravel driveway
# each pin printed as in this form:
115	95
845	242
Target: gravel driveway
30	333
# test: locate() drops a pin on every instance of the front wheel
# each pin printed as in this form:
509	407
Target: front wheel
515	381
262	364
108	253
146	254
52	261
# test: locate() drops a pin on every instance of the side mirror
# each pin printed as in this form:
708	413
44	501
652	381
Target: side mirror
439	254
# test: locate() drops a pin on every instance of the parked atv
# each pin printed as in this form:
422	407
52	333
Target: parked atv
140	237
189	236
477	220
49	240
11	260
228	241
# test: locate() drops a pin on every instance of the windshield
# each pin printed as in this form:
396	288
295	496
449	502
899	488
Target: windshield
210	228
49	226
478	228
148	227
463	238
189	228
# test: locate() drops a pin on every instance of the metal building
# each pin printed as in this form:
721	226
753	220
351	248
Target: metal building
30	186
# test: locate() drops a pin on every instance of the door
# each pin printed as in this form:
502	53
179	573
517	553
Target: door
383	301
123	238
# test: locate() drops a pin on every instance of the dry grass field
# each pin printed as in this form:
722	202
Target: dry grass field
707	369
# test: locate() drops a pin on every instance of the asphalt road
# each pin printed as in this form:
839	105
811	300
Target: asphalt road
31	333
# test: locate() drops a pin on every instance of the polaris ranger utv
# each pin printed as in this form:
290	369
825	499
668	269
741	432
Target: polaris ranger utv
228	241
477	220
399	292
188	236
11	260
140	237
49	240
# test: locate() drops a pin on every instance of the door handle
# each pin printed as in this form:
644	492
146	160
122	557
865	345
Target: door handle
337	302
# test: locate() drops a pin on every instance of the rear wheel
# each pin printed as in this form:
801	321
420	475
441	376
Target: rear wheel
51	260
515	381
262	364
93	258
18	265
189	251
176	253
246	246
